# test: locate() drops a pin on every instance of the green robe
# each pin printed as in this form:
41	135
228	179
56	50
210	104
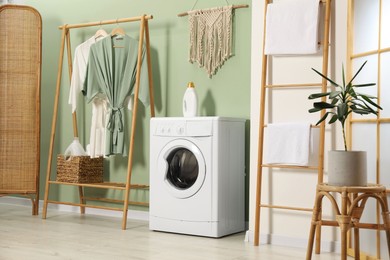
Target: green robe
111	70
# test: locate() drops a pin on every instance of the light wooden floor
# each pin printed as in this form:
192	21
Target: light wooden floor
65	235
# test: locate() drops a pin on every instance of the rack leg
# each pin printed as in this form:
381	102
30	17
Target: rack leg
54	122
82	200
35	206
45	202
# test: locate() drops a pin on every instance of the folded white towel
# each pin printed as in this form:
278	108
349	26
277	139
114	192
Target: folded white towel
288	143
292	27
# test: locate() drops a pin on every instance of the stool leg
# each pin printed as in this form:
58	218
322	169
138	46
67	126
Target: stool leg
356	239
344	224
314	222
357	212
318	235
386	219
386	222
343	245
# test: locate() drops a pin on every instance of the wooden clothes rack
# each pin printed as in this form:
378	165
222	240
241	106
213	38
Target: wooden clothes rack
126	186
269	87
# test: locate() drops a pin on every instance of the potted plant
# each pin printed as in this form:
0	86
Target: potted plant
346	168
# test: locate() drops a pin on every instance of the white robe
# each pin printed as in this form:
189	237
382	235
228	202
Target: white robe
97	138
79	68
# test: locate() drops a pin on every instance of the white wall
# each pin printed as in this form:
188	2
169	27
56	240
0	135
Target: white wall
290	188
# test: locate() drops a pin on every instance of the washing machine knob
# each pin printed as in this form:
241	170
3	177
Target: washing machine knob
180	130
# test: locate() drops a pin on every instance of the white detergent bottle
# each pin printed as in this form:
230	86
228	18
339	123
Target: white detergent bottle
190	101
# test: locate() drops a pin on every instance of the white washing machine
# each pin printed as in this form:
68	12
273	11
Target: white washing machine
197	172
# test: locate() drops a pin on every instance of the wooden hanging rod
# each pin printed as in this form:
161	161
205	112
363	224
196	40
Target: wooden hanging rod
114	21
234	7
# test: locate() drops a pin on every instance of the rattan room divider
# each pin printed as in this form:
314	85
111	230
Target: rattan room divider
20	80
122	186
378	124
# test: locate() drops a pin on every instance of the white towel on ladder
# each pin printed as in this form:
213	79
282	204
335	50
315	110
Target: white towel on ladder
292	27
288	144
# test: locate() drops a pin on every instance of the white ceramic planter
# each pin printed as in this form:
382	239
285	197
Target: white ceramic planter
347	168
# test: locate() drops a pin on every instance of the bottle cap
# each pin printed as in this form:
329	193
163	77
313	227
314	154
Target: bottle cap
191	85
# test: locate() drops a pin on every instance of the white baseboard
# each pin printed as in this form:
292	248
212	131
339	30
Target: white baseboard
132	214
272	239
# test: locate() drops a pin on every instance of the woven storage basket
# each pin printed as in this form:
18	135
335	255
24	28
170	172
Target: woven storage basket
79	169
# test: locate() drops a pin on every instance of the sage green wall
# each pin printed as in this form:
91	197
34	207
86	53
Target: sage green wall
225	94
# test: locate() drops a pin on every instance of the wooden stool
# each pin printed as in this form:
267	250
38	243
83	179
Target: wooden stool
353	200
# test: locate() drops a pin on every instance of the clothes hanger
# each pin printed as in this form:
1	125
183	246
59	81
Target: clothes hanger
100	32
117	30
118	33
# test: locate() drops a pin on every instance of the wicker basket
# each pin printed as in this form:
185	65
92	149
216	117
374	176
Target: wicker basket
79	169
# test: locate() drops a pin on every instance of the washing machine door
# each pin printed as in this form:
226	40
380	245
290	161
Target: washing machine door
182	168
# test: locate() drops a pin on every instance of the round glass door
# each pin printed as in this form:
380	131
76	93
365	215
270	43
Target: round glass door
182	168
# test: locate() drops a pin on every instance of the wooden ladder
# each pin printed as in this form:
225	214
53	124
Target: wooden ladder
265	86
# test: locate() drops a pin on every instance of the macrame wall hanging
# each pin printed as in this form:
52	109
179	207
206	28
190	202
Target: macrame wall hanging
211	34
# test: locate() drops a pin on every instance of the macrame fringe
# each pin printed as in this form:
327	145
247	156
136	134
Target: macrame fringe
210	37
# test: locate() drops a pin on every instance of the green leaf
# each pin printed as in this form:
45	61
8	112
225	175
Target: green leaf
368	108
361	111
313	110
362	105
317	95
333	119
334	94
341	111
353	93
361	67
364	85
323	105
369	96
323	118
343	76
348	88
370	101
328	79
334	101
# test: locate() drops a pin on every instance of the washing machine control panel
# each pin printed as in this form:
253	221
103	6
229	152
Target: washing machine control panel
193	128
171	129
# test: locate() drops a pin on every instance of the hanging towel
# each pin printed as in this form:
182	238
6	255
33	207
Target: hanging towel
288	143
292	27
